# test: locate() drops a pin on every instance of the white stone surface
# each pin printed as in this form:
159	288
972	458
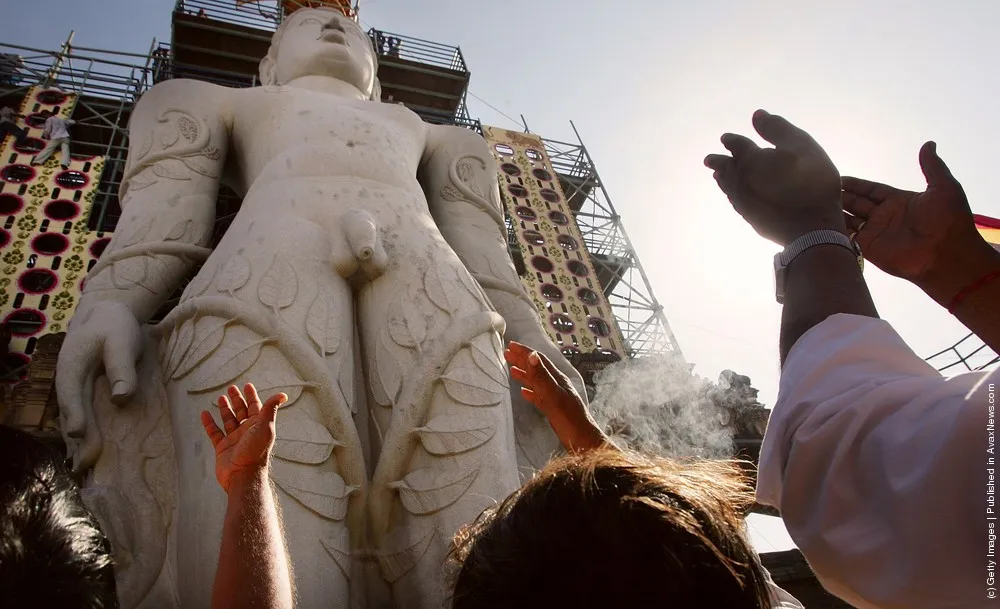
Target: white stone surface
366	276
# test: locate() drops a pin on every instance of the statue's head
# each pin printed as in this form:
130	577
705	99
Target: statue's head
321	42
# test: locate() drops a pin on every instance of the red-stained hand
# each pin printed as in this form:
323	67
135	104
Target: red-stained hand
249	434
553	394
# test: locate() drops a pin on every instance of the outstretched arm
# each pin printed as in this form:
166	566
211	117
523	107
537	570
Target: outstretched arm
253	570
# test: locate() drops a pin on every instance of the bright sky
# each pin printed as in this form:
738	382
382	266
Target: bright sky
651	86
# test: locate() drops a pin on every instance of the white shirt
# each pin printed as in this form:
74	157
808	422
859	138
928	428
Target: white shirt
878	465
56	128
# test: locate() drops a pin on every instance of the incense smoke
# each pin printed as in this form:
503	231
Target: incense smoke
655	404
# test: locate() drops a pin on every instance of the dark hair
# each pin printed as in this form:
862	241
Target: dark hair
52	552
607	528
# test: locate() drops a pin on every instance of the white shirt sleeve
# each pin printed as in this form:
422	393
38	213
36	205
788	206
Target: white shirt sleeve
878	465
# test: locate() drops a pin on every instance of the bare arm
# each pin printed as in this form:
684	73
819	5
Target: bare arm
822	281
254	570
975	261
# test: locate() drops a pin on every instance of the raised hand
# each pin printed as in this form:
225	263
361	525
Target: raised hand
913	234
553	394
785	191
245	446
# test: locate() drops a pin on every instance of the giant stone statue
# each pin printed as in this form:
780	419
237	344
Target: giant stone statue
366	276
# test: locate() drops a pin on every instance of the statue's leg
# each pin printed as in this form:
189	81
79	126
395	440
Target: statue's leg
435	375
282	321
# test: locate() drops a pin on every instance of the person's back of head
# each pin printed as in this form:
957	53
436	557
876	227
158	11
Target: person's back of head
52	552
611	529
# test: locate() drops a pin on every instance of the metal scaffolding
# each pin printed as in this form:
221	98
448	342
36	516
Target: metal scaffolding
106	84
639	314
968	354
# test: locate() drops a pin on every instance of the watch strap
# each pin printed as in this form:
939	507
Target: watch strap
813	238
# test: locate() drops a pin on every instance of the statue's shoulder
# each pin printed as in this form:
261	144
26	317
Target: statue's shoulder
443	135
187	94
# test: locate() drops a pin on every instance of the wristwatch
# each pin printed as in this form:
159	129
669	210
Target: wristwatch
817	237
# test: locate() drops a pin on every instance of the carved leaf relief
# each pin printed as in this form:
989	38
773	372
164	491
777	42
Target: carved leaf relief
226	364
346	383
184	335
208	334
406	324
504	271
170	136
129	272
235	274
139	181
437	290
136	235
279	286
471	285
486	358
163	349
449	435
467	173
325	493
428	490
323	323
338	546
188	128
397	564
202	279
388	377
292	390
304	441
178	231
167	170
464	385
450	193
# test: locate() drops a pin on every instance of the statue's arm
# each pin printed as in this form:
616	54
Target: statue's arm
459	177
178	140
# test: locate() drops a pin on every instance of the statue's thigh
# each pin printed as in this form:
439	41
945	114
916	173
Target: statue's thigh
304	350
435	377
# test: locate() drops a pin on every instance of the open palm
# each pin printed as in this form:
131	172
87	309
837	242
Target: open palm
249	432
902	232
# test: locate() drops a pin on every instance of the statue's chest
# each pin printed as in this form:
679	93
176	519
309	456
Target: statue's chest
291	120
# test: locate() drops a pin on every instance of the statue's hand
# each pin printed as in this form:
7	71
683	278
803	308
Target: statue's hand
245	446
102	334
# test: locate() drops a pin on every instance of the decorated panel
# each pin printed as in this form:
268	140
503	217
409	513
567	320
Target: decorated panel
45	246
559	275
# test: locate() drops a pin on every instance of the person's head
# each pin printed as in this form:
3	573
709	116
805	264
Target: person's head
612	529
52	552
321	42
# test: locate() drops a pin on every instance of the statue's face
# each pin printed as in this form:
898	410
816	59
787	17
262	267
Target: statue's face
324	43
